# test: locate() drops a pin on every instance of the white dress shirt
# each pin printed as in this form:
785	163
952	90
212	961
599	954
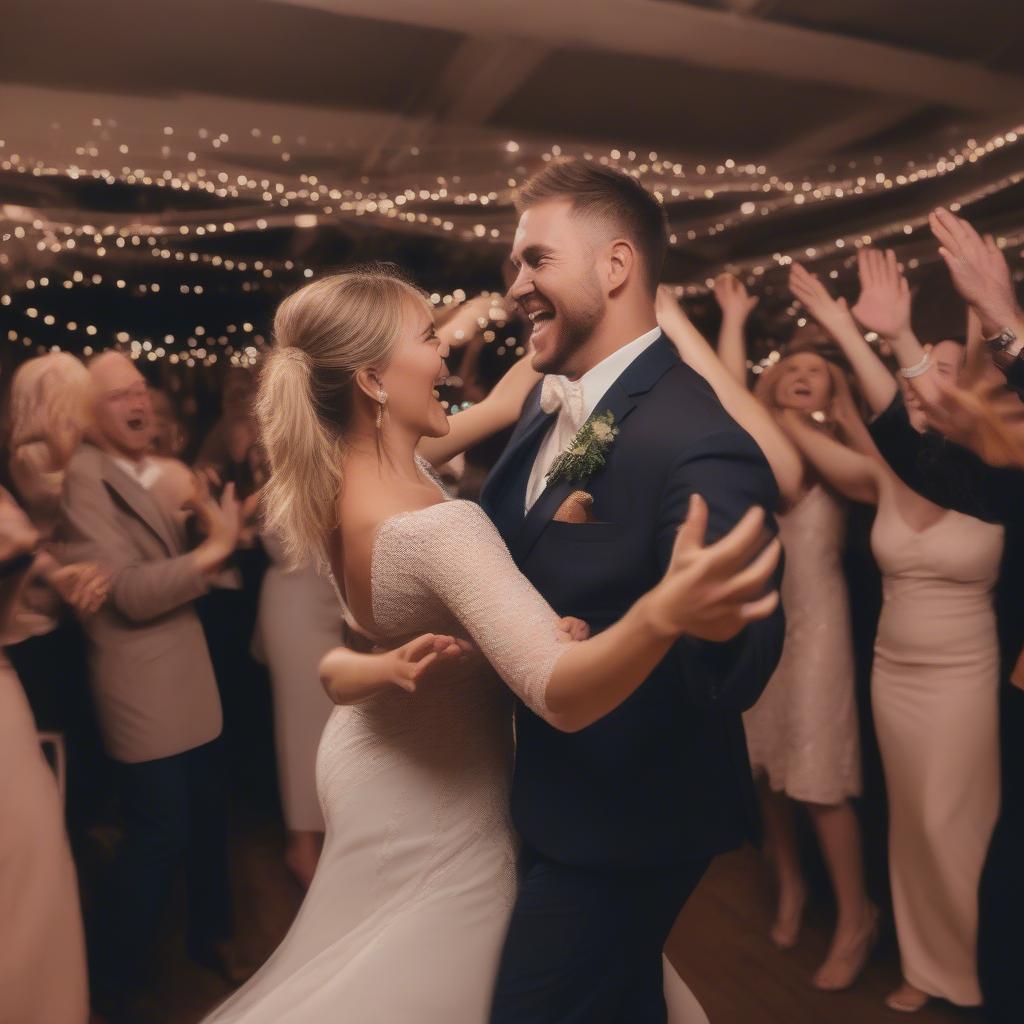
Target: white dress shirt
595	384
144	472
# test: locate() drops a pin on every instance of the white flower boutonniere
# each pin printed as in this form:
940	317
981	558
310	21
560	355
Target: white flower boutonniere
587	450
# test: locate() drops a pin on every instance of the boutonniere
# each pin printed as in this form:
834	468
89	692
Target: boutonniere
587	450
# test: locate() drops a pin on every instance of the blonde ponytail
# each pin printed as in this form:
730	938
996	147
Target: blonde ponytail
305	460
323	335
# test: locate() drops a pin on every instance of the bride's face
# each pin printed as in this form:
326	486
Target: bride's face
417	367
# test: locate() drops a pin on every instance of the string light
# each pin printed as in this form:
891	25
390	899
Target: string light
441	205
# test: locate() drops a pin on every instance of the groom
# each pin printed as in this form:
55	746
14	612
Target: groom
620	820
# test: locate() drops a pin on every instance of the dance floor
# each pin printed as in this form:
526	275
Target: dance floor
719	946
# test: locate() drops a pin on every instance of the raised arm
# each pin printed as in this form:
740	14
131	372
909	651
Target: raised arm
884	306
742	406
736	306
499	410
141	590
875	380
454	551
980	274
851	473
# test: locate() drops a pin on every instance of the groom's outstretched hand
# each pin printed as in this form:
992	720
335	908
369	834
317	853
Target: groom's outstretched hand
712	592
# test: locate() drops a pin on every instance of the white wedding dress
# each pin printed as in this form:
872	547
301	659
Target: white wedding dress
405	919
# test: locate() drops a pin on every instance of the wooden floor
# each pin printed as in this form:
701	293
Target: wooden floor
719	946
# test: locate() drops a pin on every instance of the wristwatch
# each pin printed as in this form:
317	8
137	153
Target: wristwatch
1005	348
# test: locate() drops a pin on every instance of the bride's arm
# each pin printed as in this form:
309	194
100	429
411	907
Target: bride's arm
500	409
349	676
710	592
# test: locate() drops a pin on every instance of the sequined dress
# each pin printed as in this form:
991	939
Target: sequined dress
417	877
406	916
803	732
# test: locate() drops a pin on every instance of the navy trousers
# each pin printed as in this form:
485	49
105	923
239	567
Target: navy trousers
175	812
584	945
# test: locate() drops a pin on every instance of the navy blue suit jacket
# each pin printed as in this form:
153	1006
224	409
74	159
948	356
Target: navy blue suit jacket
665	777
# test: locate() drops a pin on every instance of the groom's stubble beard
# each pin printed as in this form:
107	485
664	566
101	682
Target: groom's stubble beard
578	323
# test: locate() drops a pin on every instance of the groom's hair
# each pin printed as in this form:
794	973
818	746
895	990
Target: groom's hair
607	194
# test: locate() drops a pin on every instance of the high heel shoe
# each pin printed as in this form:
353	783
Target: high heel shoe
842	967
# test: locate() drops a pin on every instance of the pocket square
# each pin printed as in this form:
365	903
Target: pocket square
577	508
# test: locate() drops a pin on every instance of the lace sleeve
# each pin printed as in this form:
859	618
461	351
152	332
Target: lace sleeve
453	552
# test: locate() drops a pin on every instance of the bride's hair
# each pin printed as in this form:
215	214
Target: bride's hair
323	335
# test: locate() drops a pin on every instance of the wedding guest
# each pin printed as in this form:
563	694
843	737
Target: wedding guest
49	411
957	478
936	669
239	389
170	438
803	733
299	621
153	686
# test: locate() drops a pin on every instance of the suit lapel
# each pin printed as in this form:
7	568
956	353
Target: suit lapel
620	400
504	494
132	494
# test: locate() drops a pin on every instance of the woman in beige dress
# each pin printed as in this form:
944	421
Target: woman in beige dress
935	682
298	623
42	946
802	734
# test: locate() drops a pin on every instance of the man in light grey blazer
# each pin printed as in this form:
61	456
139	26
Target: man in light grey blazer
153	684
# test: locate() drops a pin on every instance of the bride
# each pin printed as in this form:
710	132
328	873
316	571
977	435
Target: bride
406	915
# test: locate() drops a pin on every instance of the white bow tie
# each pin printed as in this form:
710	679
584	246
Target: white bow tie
560	393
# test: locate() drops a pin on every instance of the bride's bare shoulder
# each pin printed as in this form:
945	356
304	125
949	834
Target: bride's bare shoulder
366	501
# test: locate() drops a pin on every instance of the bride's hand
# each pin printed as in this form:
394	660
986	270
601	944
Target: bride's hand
424	658
713	591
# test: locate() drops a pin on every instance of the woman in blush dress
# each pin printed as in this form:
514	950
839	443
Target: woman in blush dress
408	909
802	734
934	685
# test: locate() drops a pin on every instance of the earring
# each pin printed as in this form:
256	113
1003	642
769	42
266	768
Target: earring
382	397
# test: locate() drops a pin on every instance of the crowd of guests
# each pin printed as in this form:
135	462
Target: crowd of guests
163	572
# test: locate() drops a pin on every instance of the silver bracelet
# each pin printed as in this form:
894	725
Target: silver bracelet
910	372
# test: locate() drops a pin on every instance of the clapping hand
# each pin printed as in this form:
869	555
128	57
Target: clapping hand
733	298
884	303
82	585
978	269
815	297
713	591
220	520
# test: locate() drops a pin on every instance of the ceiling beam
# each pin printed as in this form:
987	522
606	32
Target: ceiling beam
818	144
709	38
481	75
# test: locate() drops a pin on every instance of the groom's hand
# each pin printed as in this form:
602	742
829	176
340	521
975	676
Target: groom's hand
712	592
573	630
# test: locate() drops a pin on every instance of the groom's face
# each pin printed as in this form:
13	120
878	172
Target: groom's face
557	285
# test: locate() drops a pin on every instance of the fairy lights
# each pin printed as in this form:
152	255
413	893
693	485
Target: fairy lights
250	202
